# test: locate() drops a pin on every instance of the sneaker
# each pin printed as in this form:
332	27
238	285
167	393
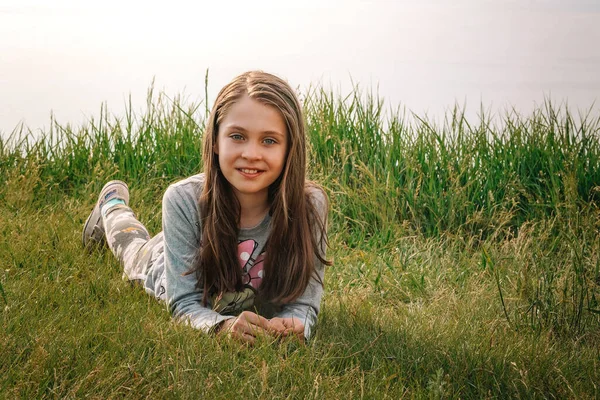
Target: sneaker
93	230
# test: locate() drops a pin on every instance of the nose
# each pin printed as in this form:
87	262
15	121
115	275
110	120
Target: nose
252	151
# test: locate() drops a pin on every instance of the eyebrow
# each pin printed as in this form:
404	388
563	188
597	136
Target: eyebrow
244	130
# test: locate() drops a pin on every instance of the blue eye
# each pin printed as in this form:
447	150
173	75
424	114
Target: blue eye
236	136
269	141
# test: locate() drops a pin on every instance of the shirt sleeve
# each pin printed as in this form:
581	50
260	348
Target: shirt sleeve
306	307
182	234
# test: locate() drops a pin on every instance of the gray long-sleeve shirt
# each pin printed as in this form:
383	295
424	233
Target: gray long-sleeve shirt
182	234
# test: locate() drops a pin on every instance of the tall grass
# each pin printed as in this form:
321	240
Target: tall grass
162	143
436	228
458	176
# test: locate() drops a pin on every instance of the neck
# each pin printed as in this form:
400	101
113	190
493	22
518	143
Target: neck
253	209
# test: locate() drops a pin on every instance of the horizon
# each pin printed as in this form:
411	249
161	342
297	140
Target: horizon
70	58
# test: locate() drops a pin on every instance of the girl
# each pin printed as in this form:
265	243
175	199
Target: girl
243	244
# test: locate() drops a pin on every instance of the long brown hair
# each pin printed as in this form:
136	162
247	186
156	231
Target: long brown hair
297	236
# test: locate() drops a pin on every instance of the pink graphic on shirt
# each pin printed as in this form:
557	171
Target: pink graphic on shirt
252	269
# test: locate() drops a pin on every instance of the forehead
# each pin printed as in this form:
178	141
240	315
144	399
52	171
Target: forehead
253	115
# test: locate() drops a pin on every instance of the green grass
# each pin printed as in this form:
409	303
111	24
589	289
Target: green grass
466	261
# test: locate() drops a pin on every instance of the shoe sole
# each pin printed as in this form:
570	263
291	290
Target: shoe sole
91	234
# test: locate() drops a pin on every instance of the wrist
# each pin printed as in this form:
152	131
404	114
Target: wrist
222	326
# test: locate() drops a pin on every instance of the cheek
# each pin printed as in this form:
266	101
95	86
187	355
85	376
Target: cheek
283	163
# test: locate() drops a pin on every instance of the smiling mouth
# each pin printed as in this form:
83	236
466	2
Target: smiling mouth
249	171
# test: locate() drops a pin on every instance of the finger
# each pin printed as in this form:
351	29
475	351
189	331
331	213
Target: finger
278	332
249	339
242	330
276	326
243	337
255	319
243	326
261	321
298	328
294	324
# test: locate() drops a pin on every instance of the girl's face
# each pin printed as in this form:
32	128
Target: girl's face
251	144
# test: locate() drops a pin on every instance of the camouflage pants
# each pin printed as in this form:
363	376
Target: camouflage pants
131	243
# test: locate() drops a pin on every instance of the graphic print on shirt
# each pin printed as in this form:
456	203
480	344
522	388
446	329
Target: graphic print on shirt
234	302
252	274
252	269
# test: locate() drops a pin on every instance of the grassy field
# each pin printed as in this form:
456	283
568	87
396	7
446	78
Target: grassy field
466	261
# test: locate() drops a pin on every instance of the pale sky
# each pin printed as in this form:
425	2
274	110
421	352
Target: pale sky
70	56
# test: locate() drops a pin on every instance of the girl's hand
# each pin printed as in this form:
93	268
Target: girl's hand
287	327
245	328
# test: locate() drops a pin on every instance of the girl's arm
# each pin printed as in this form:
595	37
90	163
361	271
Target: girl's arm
181	227
306	307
